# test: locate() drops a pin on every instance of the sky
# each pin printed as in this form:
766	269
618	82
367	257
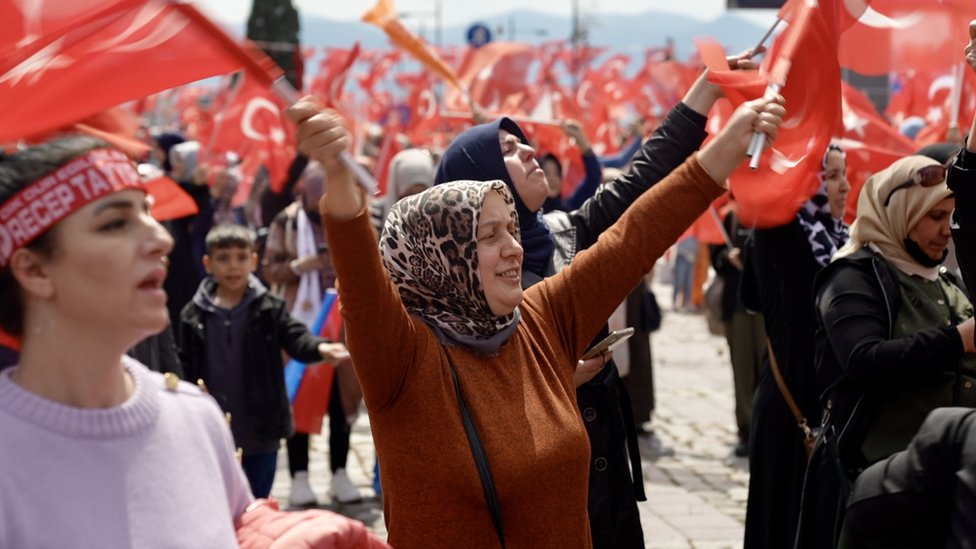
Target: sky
467	11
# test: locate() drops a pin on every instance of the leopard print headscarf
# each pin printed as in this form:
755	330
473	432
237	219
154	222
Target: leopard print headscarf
430	249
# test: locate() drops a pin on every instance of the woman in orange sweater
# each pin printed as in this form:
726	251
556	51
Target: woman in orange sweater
446	289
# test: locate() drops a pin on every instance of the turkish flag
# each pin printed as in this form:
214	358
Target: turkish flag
378	69
490	74
869	141
898	35
62	60
803	58
329	83
424	110
252	124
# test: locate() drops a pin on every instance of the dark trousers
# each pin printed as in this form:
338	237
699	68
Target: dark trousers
746	335
339	433
260	472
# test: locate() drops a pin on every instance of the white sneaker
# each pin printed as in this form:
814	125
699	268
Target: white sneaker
342	490
301	491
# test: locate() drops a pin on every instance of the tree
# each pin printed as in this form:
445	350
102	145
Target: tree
273	25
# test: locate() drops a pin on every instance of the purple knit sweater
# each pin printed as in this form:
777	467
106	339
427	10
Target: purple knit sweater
157	471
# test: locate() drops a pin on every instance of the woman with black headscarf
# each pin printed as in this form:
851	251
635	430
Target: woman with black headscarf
779	267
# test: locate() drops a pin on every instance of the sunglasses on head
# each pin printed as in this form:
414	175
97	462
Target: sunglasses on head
929	176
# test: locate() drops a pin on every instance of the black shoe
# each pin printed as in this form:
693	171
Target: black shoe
741	448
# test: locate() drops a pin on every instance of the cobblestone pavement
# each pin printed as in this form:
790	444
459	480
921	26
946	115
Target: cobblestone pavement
696	488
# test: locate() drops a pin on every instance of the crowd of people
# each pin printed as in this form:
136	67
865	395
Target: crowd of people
145	367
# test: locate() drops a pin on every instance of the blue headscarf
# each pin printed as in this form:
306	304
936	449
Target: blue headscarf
476	155
166	140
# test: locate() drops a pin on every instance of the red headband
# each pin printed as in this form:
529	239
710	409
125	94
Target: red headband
43	203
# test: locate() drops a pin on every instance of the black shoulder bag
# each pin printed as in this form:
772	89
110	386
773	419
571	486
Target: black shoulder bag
480	459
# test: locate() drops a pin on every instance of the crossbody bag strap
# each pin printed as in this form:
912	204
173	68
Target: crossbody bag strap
480	458
801	420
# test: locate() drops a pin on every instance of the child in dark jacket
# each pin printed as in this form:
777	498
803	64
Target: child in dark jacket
231	336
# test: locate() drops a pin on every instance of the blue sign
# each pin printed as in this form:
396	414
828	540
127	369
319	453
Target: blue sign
478	35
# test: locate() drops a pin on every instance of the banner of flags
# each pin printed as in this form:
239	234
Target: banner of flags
144	59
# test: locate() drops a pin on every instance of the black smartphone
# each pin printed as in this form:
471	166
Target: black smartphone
615	338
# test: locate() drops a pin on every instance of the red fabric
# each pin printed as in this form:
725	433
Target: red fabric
490	74
871	143
329	83
389	148
253	125
706	229
424	109
118	126
897	35
169	200
379	68
264	526
312	399
787	176
9	341
113	51
383	15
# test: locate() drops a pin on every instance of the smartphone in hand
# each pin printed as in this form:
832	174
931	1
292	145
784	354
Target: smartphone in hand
615	338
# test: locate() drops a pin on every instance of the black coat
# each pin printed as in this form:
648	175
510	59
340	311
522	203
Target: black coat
962	180
270	329
778	281
615	485
924	496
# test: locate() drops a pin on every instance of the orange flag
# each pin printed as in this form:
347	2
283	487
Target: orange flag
384	16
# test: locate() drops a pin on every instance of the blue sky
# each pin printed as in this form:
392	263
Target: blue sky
465	11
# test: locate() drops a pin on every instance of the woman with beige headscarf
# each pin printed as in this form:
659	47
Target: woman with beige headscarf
895	333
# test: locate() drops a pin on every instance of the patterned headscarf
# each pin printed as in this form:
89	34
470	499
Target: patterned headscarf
887	227
429	246
825	232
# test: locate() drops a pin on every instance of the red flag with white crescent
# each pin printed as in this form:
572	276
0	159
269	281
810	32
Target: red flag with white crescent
63	60
253	125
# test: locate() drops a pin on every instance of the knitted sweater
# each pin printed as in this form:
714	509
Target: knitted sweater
523	401
157	471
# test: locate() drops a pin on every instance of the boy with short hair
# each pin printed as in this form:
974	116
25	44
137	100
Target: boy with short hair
231	336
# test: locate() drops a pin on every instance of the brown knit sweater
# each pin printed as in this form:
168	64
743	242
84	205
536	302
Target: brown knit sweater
523	401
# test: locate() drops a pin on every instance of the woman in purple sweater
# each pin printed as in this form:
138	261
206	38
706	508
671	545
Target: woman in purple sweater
97	450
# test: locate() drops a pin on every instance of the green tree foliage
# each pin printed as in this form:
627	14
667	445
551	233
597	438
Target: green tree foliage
274	26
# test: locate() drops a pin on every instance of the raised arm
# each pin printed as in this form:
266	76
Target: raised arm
681	134
368	299
582	296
